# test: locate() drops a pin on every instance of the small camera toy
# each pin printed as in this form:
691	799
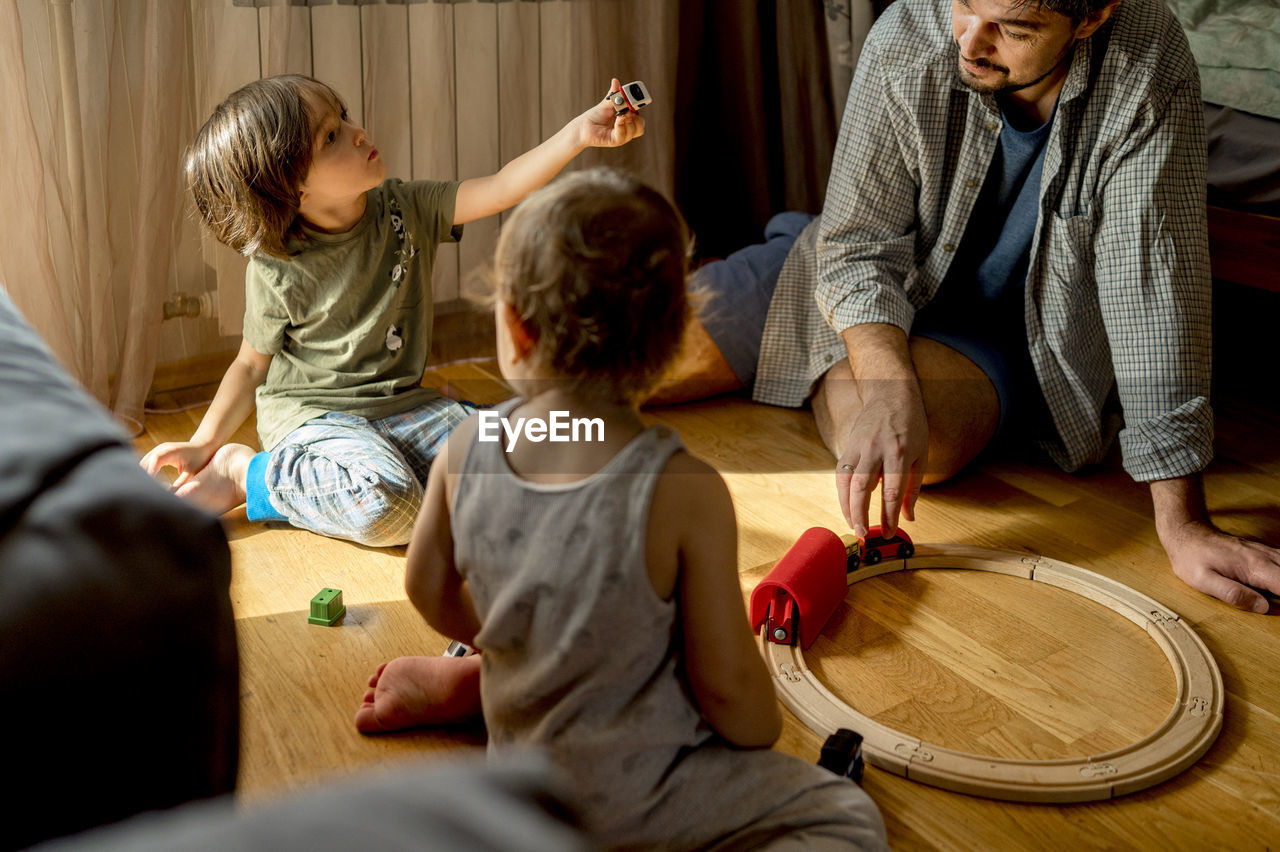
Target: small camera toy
631	97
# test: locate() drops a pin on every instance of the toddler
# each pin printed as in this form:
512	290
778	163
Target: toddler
597	576
338	308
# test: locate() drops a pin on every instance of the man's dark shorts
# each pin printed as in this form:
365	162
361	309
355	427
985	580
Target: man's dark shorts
738	289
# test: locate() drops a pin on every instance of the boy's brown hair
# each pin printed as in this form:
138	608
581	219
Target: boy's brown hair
246	163
595	266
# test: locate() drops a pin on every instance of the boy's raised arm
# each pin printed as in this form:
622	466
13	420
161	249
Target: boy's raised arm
598	127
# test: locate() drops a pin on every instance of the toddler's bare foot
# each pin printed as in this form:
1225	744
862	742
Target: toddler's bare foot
411	691
220	486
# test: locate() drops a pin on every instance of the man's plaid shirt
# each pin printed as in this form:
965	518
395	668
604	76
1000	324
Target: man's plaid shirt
1118	286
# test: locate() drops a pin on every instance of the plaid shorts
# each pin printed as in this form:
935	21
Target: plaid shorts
346	477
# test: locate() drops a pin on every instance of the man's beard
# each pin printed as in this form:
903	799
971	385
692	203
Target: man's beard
1009	86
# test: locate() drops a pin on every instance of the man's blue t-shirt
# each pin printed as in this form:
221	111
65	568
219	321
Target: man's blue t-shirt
979	307
1015	192
990	269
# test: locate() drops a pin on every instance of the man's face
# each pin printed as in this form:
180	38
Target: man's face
1005	47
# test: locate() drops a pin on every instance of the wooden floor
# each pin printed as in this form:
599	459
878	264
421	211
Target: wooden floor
976	662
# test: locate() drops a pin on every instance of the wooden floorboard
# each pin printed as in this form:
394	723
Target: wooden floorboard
976	662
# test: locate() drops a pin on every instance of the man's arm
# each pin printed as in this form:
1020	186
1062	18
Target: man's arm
1152	264
866	244
866	252
1156	306
889	436
1230	568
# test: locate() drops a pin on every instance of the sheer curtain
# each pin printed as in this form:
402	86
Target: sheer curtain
94	95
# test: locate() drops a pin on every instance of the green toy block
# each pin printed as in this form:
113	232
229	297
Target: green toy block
327	608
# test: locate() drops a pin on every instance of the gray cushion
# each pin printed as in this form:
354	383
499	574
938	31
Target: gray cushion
118	666
458	806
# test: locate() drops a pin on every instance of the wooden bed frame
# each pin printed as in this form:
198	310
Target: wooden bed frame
1244	248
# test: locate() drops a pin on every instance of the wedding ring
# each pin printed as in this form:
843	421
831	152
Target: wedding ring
846	467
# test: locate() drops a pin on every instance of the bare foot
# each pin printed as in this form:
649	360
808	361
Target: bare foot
220	486
412	691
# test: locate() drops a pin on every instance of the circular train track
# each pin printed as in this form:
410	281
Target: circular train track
1185	734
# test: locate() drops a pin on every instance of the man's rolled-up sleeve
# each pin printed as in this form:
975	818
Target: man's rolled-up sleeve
1151	260
866	247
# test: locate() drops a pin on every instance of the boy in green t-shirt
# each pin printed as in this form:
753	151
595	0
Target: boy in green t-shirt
338	308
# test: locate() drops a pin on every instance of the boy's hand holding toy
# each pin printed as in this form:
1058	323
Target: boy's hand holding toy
606	125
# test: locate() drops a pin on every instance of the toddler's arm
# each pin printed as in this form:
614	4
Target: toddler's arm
726	673
431	579
231	405
598	127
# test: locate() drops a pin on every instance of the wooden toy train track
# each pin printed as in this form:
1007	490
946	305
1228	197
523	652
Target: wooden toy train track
1185	734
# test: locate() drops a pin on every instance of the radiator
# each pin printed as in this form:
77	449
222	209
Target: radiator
445	89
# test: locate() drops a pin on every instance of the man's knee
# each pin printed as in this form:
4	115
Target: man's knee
945	459
961	404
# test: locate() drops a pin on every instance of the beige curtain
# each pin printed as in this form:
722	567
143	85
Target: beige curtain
94	94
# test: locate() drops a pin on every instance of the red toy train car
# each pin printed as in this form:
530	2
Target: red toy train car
874	547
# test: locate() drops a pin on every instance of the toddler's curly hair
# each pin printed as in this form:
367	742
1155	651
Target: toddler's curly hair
246	164
595	265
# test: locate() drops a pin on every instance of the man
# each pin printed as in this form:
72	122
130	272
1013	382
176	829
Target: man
1013	242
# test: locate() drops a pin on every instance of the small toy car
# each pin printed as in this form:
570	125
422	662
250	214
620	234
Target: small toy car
876	547
631	97
842	754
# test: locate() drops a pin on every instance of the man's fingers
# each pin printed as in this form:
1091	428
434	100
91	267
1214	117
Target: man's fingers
914	484
1262	570
891	496
861	484
1229	591
844	473
903	477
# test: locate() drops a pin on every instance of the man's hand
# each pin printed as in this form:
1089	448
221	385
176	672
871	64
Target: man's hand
889	440
1228	567
881	431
